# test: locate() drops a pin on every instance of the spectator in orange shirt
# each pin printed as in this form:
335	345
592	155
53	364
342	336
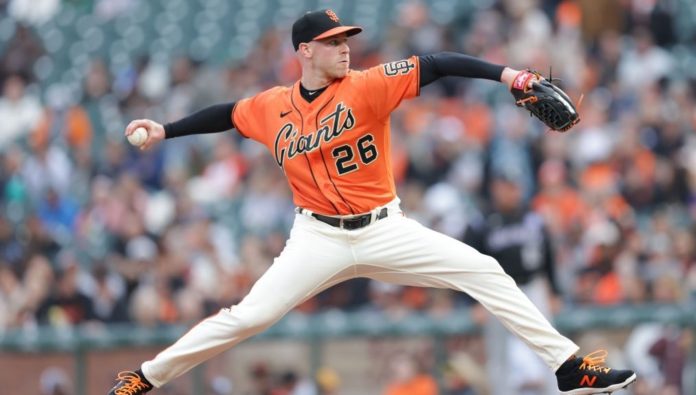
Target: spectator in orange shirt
407	377
559	204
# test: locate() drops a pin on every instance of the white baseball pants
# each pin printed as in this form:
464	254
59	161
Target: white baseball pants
394	249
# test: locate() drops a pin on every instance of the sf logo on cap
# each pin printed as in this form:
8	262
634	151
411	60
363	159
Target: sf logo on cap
332	15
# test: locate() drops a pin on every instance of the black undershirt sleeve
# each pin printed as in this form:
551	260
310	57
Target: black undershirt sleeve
443	64
213	119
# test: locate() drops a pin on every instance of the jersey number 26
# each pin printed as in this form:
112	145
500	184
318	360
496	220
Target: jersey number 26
344	154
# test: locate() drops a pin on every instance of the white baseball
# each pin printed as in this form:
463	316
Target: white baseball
138	137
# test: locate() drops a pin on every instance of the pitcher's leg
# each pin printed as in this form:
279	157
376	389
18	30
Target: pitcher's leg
400	250
308	264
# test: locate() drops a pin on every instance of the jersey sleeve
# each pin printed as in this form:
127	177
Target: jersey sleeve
249	115
390	83
243	117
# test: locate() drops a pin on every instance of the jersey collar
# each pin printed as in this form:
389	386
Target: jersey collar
302	105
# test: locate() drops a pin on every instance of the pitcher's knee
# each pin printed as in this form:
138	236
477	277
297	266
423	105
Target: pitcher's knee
498	274
492	263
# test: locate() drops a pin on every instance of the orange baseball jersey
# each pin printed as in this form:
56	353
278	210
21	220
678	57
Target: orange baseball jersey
335	151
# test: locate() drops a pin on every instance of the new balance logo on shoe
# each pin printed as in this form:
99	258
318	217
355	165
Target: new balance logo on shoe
586	380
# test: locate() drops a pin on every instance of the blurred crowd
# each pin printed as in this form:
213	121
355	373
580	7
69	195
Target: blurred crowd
94	230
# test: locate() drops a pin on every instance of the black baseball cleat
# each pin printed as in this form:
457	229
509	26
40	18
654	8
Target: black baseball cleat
588	375
131	383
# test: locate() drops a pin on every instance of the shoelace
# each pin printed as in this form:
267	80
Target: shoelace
131	384
594	361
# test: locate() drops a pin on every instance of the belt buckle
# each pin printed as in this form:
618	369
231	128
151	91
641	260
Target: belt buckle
355	223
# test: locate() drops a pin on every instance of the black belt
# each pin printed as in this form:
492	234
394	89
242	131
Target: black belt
351	223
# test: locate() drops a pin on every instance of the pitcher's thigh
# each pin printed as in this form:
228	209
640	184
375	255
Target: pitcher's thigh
405	250
310	262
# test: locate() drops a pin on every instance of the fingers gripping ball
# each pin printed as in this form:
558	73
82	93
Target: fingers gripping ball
545	101
138	137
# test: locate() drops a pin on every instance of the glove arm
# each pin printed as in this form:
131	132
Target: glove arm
508	76
443	64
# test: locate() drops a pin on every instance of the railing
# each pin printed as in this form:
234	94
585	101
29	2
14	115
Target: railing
315	329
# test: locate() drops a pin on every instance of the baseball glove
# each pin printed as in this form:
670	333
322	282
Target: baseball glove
544	100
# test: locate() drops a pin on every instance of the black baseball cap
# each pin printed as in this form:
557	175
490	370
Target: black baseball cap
320	24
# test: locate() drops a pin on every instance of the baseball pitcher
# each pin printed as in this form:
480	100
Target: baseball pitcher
329	133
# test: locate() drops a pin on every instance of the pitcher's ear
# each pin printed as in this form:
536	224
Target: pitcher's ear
305	50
